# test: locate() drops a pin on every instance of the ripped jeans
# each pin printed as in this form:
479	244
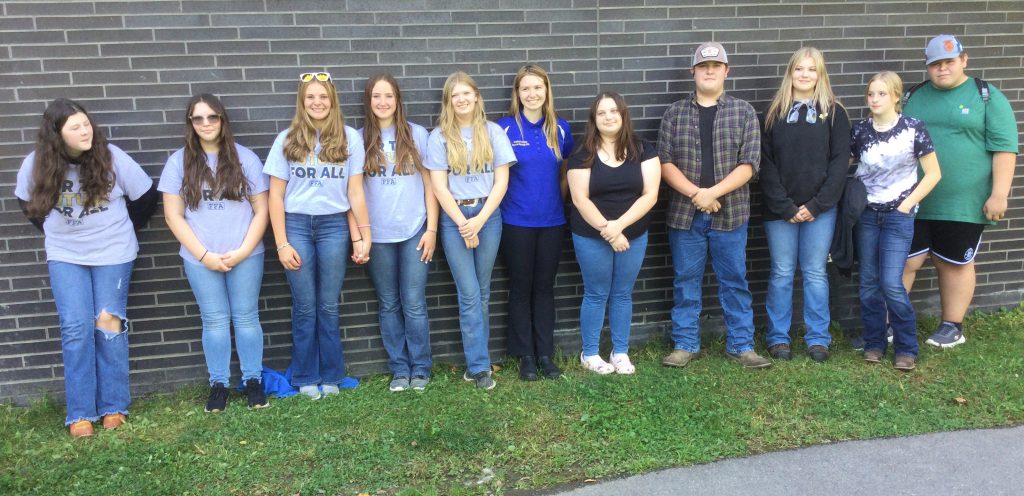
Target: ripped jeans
95	359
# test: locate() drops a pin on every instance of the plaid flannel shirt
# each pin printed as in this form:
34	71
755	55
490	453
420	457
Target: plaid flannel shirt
737	141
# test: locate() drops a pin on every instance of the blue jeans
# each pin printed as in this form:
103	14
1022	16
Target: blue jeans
401	280
883	242
227	298
471	270
608	280
322	242
807	243
729	262
95	360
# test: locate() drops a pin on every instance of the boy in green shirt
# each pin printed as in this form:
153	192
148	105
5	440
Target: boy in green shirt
975	138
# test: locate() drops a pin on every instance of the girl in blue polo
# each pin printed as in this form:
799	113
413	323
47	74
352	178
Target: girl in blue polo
310	201
468	158
403	213
533	217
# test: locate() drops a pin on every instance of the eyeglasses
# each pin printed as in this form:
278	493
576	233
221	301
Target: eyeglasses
210	119
323	77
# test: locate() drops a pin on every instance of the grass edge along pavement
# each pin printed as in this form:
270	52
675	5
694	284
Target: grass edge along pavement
453	439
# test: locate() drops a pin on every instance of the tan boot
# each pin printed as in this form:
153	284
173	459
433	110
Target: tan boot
678	358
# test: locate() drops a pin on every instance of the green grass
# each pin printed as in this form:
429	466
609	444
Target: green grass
453	439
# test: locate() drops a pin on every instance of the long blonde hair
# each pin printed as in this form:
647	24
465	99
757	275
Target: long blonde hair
459	160
823	97
548	110
302	134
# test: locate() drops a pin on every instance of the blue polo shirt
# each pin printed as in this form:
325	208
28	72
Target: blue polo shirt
534	197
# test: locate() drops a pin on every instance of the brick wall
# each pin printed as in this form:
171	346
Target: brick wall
134	65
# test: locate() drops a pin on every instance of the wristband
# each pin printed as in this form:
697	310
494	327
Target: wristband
357	240
286	245
204	255
432	230
360	226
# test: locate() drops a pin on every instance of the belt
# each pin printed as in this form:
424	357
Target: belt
471	202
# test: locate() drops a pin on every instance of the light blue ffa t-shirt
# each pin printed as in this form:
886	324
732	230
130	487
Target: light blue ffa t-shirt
534	197
220	224
101	235
472	184
396	201
316	187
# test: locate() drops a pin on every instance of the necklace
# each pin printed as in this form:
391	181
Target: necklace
885	126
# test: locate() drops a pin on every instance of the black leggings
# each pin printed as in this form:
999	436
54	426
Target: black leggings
531	255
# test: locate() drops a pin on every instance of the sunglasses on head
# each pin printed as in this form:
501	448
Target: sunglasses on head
323	77
198	119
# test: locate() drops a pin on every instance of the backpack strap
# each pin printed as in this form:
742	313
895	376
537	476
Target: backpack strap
908	93
982	89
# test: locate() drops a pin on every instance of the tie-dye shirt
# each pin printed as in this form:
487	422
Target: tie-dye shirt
889	159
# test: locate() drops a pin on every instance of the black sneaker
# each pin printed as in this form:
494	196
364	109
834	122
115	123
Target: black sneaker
482	379
254	393
528	368
218	401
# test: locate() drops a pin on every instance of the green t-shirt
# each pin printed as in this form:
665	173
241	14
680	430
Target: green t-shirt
966	131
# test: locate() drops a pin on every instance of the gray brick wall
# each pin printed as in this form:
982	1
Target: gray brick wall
134	64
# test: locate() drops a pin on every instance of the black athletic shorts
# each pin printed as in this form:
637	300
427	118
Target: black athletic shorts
952	241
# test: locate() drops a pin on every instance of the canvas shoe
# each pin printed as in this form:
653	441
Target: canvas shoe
947	335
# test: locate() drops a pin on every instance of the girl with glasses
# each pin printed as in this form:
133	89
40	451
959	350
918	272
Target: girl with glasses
315	212
403	213
215	204
87	197
469	158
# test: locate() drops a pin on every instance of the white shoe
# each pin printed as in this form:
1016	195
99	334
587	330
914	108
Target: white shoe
622	364
596	364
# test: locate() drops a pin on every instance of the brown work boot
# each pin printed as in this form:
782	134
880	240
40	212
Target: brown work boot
678	358
873	356
905	363
750	359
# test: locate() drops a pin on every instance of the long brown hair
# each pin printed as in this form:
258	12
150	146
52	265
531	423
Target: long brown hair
230	182
548	110
407	156
483	152
627	144
823	96
50	169
301	138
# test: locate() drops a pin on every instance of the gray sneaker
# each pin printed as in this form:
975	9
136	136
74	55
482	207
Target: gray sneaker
483	379
750	360
947	335
399	384
419	382
888	333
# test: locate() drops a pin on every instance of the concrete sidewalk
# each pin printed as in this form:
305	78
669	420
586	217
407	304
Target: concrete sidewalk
983	462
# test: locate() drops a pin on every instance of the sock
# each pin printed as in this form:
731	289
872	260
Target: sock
959	325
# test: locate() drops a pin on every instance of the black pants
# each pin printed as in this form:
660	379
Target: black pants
531	254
